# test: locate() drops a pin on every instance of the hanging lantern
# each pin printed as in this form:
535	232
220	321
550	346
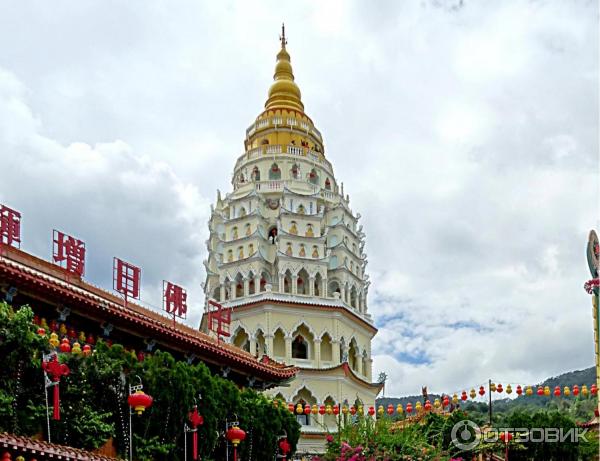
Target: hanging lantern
53	324
235	435
418	406
90	340
445	401
76	349
41	331
371	411
291	407
314	409
519	390
529	390
540	390
436	403
196	419
307	409
81	337
455	399
481	391
65	346
557	391
139	401
360	410
328	409
547	391
72	333
575	390
499	389
141	356
87	350
505	436
508	389
345	409
594	389
390	409
567	391
54	342
284	447
62	329
427	406
299	409
352	410
584	390
380	410
322	410
56	370
464	396
336	410
399	409
492	387
275	403
472	394
409	408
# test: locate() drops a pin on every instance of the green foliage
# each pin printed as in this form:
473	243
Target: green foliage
94	407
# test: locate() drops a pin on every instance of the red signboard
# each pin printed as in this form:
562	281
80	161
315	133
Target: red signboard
126	279
10	227
219	318
174	300
69	253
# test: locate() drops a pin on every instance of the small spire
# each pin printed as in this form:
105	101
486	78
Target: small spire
282	36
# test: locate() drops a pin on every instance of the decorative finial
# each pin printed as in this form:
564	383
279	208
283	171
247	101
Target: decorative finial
282	36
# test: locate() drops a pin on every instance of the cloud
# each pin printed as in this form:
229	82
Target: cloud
465	133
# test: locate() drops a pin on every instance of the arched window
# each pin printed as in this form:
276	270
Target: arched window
242	212
299	348
317	284
272	235
294	228
288	249
242	180
302	282
287	282
302	252
274	172
301	209
229	256
216	294
240	252
295	171
353	297
309	230
327	184
242	340
239	286
313	177
279	344
326	348
256	174
250	249
315	252
248	229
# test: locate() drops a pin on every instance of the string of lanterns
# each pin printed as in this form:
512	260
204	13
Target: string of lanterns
440	403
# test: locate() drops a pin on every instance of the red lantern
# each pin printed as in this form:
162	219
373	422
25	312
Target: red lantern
284	448
352	410
55	370
499	388
336	410
519	390
594	389
390	409
540	390
371	411
427	405
409	407
196	419
322	410
139	401
87	350
41	331
72	333
307	409
481	391
291	407
65	346
445	401
90	340
464	396
575	390
505	437
235	435
557	391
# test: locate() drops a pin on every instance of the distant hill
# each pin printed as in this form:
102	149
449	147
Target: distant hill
501	404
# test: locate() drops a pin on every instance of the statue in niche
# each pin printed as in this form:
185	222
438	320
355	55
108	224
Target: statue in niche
315	253
302	251
288	250
309	230
294	228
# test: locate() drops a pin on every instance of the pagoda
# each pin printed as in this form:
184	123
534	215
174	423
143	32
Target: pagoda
286	254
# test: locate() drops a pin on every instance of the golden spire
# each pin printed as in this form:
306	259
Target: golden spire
284	93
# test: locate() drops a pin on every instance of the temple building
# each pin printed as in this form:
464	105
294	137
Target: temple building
286	253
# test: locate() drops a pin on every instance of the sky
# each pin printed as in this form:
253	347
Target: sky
465	132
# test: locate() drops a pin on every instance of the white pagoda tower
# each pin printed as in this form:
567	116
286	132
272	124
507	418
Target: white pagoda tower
286	253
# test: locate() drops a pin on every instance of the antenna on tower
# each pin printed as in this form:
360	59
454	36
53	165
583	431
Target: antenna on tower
282	36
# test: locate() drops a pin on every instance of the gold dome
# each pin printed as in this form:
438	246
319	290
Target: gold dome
284	93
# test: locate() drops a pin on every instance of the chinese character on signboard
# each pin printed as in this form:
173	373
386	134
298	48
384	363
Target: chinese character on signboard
219	318
10	227
174	300
69	253
126	279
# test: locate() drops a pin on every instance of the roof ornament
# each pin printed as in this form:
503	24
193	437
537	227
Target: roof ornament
282	36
